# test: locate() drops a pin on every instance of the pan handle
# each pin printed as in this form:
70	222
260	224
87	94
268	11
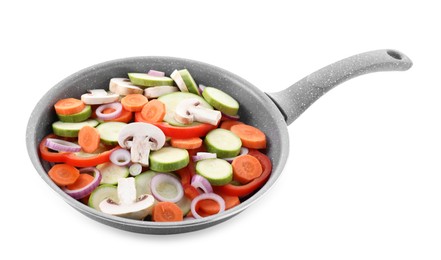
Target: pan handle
294	100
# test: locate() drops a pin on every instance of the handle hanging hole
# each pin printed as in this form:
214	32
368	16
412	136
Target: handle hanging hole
394	54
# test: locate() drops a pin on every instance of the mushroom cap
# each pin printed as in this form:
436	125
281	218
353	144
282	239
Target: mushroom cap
129	206
182	112
141	130
137	210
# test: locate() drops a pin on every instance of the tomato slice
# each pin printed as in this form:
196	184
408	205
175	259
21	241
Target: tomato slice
72	158
246	189
179	131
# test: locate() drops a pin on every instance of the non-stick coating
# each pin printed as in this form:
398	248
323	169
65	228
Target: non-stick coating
255	109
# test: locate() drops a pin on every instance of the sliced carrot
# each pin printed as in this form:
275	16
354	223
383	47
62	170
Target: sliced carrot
188	143
89	139
153	111
134	102
190	191
83	180
69	106
246	168
211	207
250	136
165	211
229	123
249	188
63	174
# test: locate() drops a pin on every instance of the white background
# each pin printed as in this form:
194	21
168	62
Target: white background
363	180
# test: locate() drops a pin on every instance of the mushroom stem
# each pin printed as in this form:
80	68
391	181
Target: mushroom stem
126	190
205	115
128	205
140	150
190	110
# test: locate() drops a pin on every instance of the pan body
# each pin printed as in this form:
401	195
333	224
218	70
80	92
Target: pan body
255	109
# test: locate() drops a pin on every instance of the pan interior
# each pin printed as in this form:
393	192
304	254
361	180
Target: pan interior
255	108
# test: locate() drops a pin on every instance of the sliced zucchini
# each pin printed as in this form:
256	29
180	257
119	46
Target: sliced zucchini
102	192
71	129
109	132
111	172
216	171
169	159
78	117
223	142
146	80
221	101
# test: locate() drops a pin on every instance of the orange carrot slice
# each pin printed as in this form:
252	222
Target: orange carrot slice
153	111
134	102
188	143
229	123
83	180
246	168
89	139
69	106
165	211
250	136
63	174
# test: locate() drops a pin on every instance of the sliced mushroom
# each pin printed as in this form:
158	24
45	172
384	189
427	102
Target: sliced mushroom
123	87
140	138
176	76
190	110
129	206
98	97
155	92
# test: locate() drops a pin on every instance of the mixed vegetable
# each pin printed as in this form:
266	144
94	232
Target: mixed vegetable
155	148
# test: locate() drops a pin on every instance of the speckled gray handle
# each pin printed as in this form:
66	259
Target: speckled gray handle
294	100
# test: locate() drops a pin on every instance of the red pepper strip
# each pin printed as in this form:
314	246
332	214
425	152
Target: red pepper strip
72	158
246	189
190	191
178	131
185	175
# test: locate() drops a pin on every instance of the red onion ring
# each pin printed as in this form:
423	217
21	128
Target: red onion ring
135	169
243	151
156	73
201	88
202	156
207	196
61	145
200	182
86	190
115	105
163	178
120	157
228	117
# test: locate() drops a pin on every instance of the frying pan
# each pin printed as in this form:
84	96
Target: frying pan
270	112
